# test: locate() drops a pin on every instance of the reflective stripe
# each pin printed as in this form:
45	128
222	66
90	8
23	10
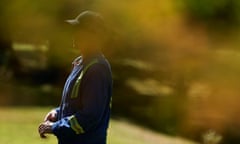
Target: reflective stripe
75	125
110	104
75	89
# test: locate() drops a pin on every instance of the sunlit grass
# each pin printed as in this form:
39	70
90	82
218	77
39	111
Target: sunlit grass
19	126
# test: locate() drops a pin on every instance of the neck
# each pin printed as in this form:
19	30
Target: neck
90	50
90	54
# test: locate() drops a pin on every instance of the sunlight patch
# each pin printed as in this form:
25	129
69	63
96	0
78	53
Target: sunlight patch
149	87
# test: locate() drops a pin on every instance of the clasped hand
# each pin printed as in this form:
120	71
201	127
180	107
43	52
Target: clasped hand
46	126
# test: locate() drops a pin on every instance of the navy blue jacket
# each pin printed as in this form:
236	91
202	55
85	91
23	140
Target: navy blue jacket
83	115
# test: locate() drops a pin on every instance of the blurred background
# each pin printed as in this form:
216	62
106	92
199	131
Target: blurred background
175	63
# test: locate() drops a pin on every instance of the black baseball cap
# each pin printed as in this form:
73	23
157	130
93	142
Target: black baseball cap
88	20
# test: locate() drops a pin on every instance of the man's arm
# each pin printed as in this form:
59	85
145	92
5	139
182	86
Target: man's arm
94	101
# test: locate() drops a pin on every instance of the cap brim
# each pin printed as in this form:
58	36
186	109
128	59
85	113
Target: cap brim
72	22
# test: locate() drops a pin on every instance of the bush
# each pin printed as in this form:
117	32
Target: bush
212	11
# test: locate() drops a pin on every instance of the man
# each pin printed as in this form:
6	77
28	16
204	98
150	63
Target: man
83	115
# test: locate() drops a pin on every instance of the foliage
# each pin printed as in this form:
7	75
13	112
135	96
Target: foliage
215	12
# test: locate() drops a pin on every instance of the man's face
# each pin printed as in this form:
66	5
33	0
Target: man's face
87	42
82	40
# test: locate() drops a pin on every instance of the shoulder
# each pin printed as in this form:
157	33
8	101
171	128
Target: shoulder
99	63
97	68
104	62
98	73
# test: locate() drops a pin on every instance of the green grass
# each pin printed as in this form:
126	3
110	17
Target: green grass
19	126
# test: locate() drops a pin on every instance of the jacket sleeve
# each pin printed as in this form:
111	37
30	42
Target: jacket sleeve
57	109
94	99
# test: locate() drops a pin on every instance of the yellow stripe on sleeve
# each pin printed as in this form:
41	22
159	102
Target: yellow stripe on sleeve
75	125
